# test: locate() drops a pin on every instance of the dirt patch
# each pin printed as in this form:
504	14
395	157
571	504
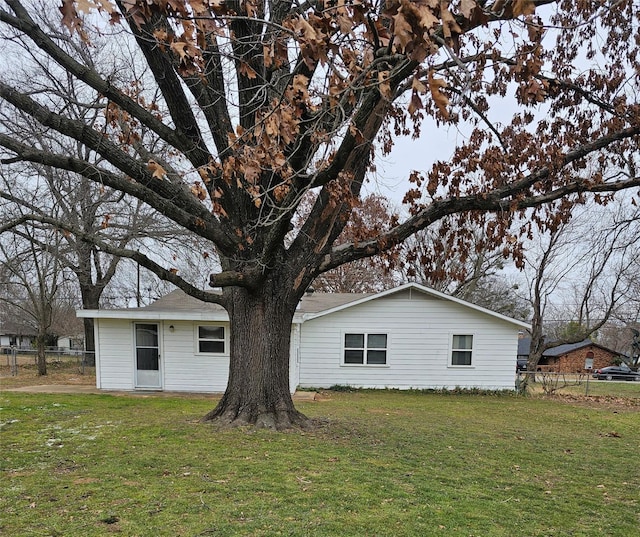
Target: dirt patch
598	401
57	373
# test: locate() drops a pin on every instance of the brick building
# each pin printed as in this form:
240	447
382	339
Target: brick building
579	357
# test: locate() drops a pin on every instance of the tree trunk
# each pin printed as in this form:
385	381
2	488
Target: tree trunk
41	354
89	343
90	294
258	389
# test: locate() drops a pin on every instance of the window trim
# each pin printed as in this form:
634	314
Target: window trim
198	339
452	349
365	335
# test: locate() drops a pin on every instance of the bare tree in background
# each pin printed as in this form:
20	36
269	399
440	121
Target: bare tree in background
584	264
475	273
32	280
370	217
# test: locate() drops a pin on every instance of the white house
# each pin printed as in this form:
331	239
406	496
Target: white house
407	337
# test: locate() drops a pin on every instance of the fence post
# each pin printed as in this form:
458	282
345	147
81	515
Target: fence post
14	362
586	389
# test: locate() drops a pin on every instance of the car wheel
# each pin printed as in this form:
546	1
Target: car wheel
609	377
636	378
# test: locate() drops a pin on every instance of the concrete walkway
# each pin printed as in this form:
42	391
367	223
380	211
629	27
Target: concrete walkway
80	389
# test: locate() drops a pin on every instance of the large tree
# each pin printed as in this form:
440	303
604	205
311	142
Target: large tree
263	101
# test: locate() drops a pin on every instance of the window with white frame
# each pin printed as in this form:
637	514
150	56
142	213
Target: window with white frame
211	339
461	349
365	349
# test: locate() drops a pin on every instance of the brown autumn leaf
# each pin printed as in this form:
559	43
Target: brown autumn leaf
248	71
415	104
418	85
467	7
70	17
402	31
157	170
383	84
441	100
523	7
449	24
199	191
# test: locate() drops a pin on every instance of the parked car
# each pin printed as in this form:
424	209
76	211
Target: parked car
616	372
521	364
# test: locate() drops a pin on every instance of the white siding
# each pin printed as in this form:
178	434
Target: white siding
181	367
185	370
420	330
114	362
294	358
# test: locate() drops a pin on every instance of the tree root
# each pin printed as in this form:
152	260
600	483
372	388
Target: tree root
276	420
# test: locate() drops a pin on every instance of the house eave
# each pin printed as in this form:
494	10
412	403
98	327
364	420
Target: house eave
146	315
153	315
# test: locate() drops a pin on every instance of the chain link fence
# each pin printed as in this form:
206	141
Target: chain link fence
16	358
550	382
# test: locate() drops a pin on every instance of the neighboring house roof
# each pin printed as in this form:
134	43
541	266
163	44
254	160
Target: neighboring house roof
177	305
16	329
524	348
561	350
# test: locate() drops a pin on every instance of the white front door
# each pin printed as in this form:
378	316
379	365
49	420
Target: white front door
147	355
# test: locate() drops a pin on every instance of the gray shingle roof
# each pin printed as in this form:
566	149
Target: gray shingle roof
178	300
569	347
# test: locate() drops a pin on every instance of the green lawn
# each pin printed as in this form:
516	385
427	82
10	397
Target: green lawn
379	464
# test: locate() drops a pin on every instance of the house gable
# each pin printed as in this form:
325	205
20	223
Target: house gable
414	291
420	331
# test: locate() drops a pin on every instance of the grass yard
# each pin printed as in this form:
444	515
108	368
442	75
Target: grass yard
379	464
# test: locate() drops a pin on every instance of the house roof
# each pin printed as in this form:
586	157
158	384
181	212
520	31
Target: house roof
524	348
177	305
560	350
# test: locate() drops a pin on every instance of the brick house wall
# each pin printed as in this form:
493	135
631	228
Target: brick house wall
575	361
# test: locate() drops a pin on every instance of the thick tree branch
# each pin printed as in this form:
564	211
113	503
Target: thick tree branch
507	198
24	23
168	199
167	274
